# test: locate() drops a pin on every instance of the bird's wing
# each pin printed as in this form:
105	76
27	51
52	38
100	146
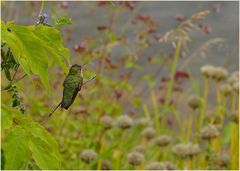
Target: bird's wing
71	88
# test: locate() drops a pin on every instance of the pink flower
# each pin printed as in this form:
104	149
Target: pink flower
101	27
158	37
80	48
207	29
129	4
63	4
180	17
216	8
180	75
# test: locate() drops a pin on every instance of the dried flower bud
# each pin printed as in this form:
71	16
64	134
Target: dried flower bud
106	165
124	122
156	166
170	166
140	149
148	133
214	118
194	149
209	132
235	87
88	155
207	70
186	150
107	122
194	102
226	89
142	122
234	77
162	140
221	160
235	117
219	73
135	158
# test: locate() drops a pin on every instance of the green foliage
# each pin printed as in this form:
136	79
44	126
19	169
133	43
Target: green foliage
63	21
16	148
227	133
28	139
35	47
114	55
2	159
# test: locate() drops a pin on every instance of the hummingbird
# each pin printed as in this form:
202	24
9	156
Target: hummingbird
72	85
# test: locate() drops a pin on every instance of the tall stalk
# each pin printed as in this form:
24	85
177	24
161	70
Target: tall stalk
171	82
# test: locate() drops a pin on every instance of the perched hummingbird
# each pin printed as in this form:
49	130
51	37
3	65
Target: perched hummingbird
72	85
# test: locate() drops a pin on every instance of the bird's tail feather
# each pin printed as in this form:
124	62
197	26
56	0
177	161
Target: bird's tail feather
50	114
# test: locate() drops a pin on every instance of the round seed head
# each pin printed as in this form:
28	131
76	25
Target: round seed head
234	77
235	74
135	158
124	122
207	70
162	140
221	160
148	133
235	87
106	165
180	150
170	166
194	149
194	102
142	122
209	132
140	149
156	166
235	117
185	150
219	73
88	155
107	122
214	118
226	89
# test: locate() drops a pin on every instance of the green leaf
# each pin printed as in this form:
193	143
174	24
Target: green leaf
150	80
42	154
131	64
228	133
7	73
36	139
6	116
2	159
63	21
16	149
43	146
35	47
53	44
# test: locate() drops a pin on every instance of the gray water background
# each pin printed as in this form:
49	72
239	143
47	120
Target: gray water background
86	17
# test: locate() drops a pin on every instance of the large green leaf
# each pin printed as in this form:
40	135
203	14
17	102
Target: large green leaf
43	154
43	146
16	149
35	47
6	117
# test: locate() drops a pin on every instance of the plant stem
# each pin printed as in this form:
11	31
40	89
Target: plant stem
234	147
204	105
102	142
171	82
155	107
41	9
